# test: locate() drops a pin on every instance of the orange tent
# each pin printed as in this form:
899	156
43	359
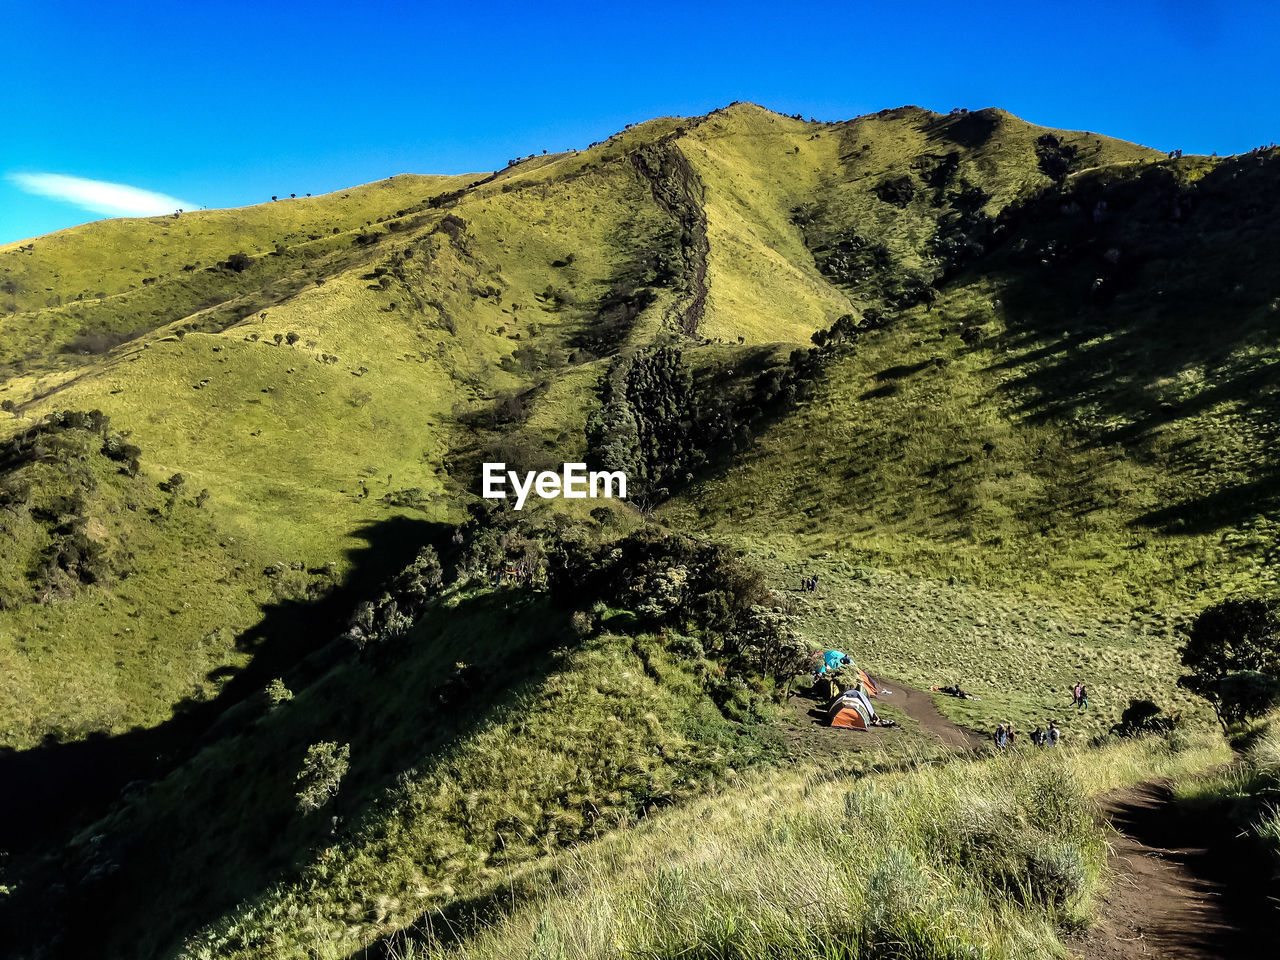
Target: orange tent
849	713
868	684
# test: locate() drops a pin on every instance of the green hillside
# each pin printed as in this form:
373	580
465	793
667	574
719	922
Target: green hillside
1011	393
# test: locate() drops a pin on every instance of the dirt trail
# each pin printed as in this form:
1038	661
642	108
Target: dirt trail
1184	888
919	706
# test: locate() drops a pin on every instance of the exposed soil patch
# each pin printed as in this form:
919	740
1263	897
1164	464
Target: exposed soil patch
1185	887
677	187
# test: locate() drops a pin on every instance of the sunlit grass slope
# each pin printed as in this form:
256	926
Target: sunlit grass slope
774	184
1021	655
756	167
992	858
340	380
336	409
909	456
1083	412
78	290
1053	444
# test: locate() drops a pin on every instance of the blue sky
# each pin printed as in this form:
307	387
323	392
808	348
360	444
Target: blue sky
224	104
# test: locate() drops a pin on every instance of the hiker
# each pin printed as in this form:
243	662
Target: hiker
834	660
1001	737
1010	734
813	584
955	690
1083	701
1076	693
1052	735
1037	737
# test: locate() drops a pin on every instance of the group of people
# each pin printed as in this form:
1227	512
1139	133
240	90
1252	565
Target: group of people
1080	696
1006	736
829	684
809	584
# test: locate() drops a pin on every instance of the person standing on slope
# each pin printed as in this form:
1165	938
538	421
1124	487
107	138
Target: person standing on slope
1083	700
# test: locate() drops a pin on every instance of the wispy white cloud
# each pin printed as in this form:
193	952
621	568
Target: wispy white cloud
113	199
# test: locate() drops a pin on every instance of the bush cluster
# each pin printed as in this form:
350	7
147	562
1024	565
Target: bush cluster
1055	157
46	473
658	425
705	599
697	589
393	614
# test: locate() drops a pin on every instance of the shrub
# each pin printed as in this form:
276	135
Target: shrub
394	613
98	341
278	693
1246	695
898	191
322	771
894	890
239	262
115	447
1142	716
1056	873
174	484
1055	158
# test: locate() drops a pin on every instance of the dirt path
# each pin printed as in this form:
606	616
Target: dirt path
1185	888
807	733
919	706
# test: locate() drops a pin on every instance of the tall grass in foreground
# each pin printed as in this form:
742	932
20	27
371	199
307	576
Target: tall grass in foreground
978	858
1248	792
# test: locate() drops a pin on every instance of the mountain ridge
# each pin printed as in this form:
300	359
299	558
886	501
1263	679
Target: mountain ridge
447	316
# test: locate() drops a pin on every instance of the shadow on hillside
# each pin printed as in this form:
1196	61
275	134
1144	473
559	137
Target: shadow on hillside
1146	304
224	827
48	791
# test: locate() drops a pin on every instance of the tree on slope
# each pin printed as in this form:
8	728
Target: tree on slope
1233	655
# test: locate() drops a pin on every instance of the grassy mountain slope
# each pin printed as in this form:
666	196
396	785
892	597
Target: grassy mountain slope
755	167
1047	441
479	326
487	735
78	291
1060	419
814	863
303	445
